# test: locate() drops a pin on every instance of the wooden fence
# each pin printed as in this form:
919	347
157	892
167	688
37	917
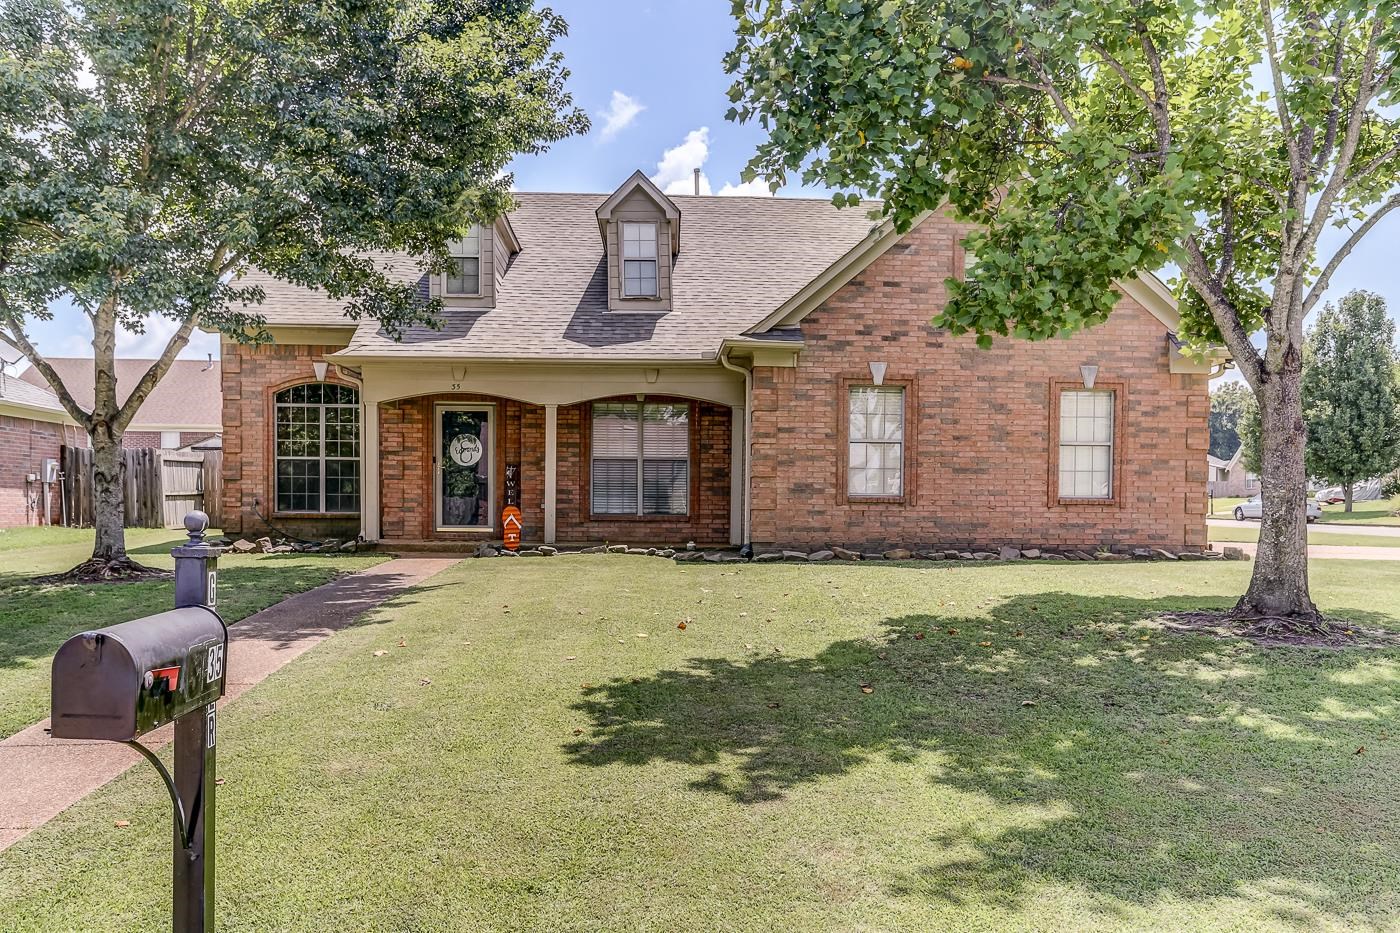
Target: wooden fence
160	486
141	487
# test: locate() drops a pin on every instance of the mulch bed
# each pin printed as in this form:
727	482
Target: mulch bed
1328	632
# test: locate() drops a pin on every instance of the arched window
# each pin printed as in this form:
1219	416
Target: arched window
318	448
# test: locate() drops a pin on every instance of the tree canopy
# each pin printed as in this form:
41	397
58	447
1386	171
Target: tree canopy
1227	406
151	150
1351	401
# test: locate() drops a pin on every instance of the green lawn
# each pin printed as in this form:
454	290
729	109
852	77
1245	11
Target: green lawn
549	751
37	619
1377	512
1315	536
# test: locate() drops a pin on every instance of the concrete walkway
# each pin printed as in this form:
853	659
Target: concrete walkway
1323	528
41	776
1328	551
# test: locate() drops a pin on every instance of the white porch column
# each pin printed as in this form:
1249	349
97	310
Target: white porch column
551	469
369	471
737	490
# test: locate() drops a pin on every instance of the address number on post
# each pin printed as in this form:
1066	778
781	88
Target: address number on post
214	663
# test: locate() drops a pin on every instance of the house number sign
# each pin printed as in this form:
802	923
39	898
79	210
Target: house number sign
465	450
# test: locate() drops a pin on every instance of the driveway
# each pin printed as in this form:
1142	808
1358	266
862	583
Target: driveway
1381	531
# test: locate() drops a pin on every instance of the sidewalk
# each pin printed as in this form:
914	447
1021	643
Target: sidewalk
1328	551
41	776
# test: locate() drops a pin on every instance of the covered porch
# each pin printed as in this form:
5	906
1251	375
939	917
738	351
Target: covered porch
635	452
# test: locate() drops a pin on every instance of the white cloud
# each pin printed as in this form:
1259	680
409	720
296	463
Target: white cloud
675	171
758	188
620	113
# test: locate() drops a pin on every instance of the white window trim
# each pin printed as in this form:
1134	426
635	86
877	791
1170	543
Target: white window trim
851	442
456	251
1110	445
654	258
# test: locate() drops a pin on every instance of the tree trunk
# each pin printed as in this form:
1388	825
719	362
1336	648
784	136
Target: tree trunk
108	490
1279	586
1346	493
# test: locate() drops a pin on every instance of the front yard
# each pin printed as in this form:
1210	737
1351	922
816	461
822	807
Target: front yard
37	619
920	747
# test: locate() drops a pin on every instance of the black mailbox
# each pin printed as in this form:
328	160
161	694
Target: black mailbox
120	682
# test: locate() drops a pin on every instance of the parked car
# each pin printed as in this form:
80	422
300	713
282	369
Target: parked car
1254	508
1364	491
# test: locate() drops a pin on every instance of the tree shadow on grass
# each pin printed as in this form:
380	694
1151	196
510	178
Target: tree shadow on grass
1120	759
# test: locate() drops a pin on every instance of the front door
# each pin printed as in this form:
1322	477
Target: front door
463	466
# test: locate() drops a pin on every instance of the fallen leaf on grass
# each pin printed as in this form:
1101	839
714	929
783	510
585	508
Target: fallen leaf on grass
918	636
380	653
122	824
641	634
1028	702
1359	750
952	631
424	682
403	643
774	705
985	644
866	688
570	657
219	781
578	732
681	625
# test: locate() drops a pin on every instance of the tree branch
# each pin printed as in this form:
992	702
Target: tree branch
139	393
1285	119
1227	319
36	359
1320	286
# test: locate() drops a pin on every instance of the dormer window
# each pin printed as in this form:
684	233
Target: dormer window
463	278
639	260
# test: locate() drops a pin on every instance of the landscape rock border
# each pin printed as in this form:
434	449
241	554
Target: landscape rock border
1004	554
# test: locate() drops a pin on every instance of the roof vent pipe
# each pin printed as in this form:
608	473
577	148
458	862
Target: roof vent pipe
697	180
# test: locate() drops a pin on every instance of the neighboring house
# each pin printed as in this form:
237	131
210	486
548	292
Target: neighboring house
33	428
1229	478
642	368
183	408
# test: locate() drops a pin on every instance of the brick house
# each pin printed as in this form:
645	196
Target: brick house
184	408
33	428
645	368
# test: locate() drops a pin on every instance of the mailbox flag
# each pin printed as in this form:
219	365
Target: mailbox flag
511	526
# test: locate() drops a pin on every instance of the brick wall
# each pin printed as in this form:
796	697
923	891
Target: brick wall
251	376
979	469
24	445
133	440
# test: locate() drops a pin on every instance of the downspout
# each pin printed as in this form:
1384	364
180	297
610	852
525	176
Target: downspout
748	435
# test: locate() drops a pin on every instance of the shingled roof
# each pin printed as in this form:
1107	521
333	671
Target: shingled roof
741	258
188	397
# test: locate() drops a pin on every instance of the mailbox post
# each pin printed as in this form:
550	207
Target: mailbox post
196	584
121	682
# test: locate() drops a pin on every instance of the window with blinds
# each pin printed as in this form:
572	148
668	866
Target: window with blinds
875	438
1086	444
318	448
640	458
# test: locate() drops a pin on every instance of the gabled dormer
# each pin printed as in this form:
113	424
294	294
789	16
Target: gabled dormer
641	231
479	261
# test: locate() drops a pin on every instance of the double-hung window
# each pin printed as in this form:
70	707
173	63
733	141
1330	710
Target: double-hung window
875	437
638	260
318	448
640	458
463	277
1086	444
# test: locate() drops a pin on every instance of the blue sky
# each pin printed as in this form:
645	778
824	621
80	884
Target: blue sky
650	75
